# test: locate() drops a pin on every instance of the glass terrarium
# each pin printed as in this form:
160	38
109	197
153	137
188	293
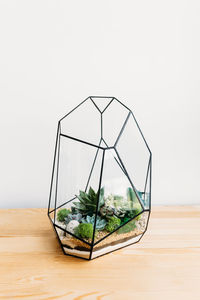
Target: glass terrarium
100	195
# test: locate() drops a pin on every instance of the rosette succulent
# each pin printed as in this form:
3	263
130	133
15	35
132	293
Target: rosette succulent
134	204
113	206
100	223
88	202
73	217
106	211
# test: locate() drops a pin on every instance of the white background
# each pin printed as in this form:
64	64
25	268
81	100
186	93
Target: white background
53	54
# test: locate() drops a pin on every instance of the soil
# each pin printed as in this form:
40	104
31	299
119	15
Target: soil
112	239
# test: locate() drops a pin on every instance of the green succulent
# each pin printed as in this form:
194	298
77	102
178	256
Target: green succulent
88	202
84	230
127	227
113	223
135	211
100	223
62	214
114	201
75	216
118	200
131	196
134	205
120	212
114	205
106	211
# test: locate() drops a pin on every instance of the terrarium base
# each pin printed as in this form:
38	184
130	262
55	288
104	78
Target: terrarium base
104	243
101	250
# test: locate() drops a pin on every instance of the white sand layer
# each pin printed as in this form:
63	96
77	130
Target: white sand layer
102	251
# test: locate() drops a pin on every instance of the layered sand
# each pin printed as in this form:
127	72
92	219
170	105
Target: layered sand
109	243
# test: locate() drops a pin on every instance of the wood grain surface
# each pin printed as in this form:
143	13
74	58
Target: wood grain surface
164	265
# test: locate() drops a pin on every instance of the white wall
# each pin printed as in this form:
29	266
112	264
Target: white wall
53	54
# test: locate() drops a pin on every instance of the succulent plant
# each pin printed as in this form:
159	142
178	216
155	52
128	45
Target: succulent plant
135	211
100	223
113	223
118	200
62	214
131	196
71	217
110	201
120	212
138	209
134	206
127	227
106	211
88	202
113	206
84	230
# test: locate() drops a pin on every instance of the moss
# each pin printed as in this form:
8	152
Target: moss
113	223
84	230
62	214
127	227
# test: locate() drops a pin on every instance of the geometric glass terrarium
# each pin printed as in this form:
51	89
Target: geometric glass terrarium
100	195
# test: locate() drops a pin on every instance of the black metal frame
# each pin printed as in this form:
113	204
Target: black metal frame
120	163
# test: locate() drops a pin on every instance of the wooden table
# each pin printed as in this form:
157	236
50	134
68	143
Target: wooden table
164	265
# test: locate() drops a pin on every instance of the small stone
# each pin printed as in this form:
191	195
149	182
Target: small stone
72	225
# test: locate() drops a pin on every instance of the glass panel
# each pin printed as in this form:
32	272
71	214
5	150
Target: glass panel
113	121
60	232
75	163
78	185
72	245
134	154
78	251
51	215
146	196
54	172
85	204
83	123
128	234
119	203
